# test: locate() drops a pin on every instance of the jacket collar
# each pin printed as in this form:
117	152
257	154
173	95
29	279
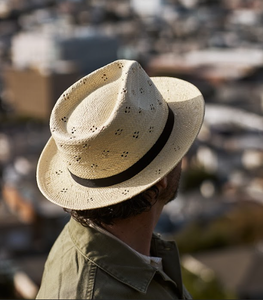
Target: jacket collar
119	261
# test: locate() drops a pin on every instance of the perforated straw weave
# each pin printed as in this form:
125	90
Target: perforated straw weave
116	132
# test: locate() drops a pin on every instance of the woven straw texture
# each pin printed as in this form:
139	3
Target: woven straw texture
108	120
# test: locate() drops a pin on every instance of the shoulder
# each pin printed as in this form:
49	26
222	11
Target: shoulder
66	270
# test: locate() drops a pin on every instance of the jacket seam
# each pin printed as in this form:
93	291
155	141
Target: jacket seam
91	281
142	290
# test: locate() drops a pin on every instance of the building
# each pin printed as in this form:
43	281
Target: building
58	44
45	64
33	94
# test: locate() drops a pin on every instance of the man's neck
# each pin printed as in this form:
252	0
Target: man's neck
137	231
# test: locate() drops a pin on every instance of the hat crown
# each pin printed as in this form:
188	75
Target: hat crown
108	120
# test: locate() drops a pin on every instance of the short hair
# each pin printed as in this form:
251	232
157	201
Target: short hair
140	203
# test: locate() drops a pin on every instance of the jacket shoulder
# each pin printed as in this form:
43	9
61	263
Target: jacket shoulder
65	272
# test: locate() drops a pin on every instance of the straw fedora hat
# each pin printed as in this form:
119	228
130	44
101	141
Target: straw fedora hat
115	133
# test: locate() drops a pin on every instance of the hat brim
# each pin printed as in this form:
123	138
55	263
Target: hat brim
57	185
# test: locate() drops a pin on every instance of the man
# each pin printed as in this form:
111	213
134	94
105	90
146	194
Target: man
113	162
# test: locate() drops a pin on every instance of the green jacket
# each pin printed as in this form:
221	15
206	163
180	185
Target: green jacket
87	264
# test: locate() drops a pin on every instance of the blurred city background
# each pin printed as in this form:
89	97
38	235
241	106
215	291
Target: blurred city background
217	219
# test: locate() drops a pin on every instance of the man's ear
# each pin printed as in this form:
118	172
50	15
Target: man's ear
162	184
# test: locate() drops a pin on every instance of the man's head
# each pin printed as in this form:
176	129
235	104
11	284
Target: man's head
115	134
164	191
